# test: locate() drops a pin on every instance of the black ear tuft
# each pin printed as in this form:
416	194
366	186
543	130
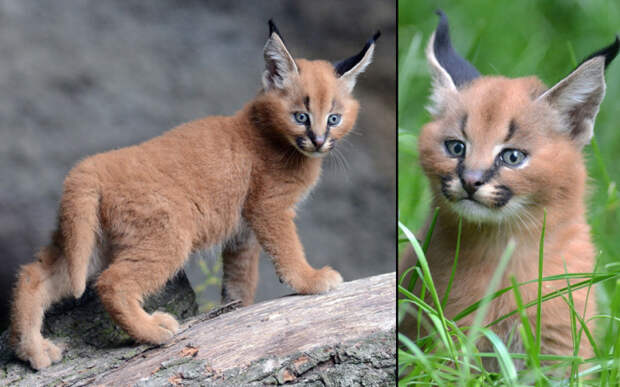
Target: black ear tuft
273	28
460	70
345	65
608	52
376	36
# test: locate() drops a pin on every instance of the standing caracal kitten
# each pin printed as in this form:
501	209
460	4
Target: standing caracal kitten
498	153
131	217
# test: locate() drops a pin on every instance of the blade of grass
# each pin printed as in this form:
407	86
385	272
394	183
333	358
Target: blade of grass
594	278
613	375
526	332
454	263
540	274
427	242
428	280
573	328
431	228
481	313
420	356
506	365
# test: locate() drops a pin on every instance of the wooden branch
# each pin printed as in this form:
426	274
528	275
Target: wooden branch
344	335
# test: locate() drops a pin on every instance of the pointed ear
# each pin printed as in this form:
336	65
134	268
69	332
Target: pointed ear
350	68
279	64
578	96
449	71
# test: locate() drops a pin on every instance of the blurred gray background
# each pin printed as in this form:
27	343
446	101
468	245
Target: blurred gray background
82	77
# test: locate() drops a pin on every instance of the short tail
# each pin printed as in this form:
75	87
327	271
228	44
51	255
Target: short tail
79	224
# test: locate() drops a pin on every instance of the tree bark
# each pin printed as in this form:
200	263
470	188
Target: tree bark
344	337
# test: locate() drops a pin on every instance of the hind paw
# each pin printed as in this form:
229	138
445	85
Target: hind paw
40	355
167	321
53	351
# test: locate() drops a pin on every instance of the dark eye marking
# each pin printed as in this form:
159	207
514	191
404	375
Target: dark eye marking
445	180
463	125
307	103
511	130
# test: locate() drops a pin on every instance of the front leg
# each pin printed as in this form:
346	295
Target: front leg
277	233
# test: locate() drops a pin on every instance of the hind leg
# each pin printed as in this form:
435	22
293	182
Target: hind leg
135	273
39	285
240	258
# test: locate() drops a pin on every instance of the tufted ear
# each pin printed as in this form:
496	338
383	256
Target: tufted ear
279	64
449	71
578	96
350	68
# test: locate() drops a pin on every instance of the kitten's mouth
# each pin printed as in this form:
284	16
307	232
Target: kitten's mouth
476	211
488	204
492	197
311	149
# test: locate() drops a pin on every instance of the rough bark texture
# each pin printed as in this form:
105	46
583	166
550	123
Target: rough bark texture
342	338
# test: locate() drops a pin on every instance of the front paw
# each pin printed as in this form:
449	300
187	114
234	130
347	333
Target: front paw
159	330
320	281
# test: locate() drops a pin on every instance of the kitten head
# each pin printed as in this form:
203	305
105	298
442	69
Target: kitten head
497	147
306	103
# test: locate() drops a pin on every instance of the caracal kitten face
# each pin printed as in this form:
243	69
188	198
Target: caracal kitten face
129	218
498	153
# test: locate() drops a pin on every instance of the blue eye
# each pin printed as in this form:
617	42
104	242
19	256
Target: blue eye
301	118
455	148
512	157
333	119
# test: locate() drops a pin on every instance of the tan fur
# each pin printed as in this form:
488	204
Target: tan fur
554	179
138	212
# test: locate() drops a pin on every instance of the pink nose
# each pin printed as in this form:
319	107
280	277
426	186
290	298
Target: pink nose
472	180
318	141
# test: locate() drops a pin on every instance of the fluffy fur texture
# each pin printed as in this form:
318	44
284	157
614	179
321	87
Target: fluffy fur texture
498	153
129	218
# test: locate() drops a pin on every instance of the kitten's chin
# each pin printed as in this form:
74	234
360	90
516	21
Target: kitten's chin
479	213
314	155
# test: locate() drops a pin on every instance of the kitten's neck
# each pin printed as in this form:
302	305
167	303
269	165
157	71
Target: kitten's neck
558	222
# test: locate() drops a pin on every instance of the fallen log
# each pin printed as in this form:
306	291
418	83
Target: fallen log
344	337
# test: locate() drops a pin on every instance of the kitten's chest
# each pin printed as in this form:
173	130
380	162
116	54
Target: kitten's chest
474	272
285	186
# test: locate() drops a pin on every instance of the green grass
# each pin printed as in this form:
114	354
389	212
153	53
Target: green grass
547	39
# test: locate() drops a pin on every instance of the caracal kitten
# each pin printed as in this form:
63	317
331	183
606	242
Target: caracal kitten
498	153
129	218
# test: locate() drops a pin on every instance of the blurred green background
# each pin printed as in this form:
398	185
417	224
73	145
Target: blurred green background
515	38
